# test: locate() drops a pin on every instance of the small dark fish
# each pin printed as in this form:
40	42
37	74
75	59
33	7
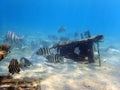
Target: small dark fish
14	66
12	37
76	35
87	34
64	39
61	29
54	58
44	51
52	37
24	62
82	36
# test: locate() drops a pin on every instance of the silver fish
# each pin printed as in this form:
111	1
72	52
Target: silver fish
44	51
12	37
24	62
54	58
14	66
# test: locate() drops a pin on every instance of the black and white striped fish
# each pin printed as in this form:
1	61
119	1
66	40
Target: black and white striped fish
54	58
44	51
12	37
24	62
14	66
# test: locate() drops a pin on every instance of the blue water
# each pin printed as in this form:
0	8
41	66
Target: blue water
36	19
47	15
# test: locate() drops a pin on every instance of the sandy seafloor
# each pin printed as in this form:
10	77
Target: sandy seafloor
70	75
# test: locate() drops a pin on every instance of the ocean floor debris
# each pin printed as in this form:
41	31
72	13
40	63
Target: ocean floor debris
9	83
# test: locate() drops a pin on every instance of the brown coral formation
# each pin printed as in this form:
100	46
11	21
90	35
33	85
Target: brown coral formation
4	49
3	54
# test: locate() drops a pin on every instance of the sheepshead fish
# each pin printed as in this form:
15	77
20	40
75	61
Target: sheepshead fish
54	58
44	51
14	66
12	37
24	62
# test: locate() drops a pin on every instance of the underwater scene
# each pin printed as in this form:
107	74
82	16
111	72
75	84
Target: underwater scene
59	45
